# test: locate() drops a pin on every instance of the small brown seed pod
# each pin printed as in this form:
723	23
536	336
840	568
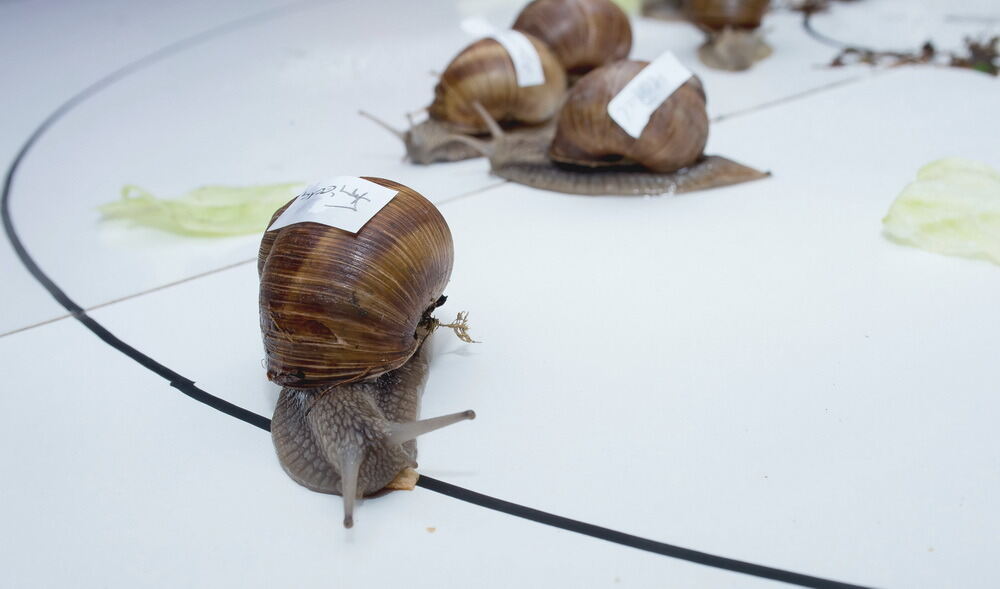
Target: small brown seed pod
336	307
484	72
587	136
583	34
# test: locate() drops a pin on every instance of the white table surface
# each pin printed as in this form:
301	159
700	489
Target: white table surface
754	371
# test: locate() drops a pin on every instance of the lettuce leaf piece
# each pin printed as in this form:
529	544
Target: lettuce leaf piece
952	208
631	7
208	211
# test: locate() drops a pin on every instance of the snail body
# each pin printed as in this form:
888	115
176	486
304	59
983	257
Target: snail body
583	34
344	319
435	141
429	142
733	41
524	159
354	439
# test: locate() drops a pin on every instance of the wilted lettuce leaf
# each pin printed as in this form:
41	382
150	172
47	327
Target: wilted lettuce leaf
952	208
629	6
206	211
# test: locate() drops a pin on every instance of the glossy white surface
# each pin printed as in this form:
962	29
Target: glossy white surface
752	371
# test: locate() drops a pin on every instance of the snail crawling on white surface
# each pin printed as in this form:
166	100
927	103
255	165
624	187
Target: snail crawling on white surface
345	319
588	152
483	72
570	37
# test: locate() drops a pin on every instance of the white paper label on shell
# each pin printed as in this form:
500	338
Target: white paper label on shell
344	202
527	63
633	106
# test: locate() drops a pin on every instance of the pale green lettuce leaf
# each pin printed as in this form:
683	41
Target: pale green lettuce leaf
629	6
206	211
952	208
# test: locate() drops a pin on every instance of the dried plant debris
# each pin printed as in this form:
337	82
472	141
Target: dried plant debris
981	56
854	55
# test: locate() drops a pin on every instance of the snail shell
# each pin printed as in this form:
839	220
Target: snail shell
587	136
484	72
716	15
336	307
583	34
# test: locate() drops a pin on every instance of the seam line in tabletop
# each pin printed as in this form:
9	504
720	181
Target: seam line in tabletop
795	97
209	272
475	192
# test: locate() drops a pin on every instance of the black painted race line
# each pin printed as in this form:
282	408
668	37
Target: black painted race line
187	386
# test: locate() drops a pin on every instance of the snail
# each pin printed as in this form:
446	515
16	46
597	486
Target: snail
583	34
345	320
733	42
586	135
483	72
588	153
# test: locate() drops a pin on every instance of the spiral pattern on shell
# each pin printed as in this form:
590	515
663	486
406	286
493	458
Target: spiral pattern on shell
483	72
716	15
586	135
583	34
336	307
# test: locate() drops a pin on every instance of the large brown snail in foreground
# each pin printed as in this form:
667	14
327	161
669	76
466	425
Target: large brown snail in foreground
483	72
345	318
583	34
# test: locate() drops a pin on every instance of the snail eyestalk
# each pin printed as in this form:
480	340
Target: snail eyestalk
349	486
400	433
490	122
383	124
484	148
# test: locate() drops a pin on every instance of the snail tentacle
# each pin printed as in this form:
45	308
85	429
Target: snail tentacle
404	432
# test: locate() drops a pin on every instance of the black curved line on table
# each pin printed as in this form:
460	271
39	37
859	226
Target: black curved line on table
812	32
188	387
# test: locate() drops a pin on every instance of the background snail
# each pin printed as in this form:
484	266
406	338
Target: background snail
733	42
482	72
524	159
586	135
345	318
583	34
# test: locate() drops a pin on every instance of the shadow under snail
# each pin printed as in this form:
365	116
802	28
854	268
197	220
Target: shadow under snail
345	320
483	72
